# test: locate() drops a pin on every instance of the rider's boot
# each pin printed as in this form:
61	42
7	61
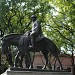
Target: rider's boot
32	43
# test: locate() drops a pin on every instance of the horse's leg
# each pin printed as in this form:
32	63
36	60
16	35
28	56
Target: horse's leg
32	58
9	58
49	61
17	59
22	56
46	58
29	59
49	65
60	63
57	57
27	62
54	52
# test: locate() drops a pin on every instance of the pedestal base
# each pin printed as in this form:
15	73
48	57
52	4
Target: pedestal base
20	71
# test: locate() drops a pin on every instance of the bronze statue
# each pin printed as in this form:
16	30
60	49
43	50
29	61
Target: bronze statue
44	45
23	42
35	31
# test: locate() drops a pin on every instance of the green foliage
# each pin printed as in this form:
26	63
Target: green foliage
57	18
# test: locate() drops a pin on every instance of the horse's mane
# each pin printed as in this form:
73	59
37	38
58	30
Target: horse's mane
24	38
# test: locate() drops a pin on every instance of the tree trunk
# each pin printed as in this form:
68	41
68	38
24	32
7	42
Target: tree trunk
73	66
73	70
0	58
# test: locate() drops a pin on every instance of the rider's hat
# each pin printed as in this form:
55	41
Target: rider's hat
33	16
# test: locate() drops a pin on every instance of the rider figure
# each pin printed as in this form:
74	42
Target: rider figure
35	31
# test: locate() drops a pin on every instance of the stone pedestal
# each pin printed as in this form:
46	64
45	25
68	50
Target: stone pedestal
19	71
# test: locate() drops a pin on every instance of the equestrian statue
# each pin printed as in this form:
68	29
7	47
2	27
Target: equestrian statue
32	41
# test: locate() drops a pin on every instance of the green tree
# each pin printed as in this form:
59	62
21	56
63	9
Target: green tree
57	18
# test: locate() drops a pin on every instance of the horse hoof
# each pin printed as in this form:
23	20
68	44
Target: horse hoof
44	67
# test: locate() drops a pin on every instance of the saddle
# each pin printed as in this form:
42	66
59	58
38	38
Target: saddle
37	39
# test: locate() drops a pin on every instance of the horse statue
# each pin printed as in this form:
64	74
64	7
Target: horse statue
7	41
44	45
